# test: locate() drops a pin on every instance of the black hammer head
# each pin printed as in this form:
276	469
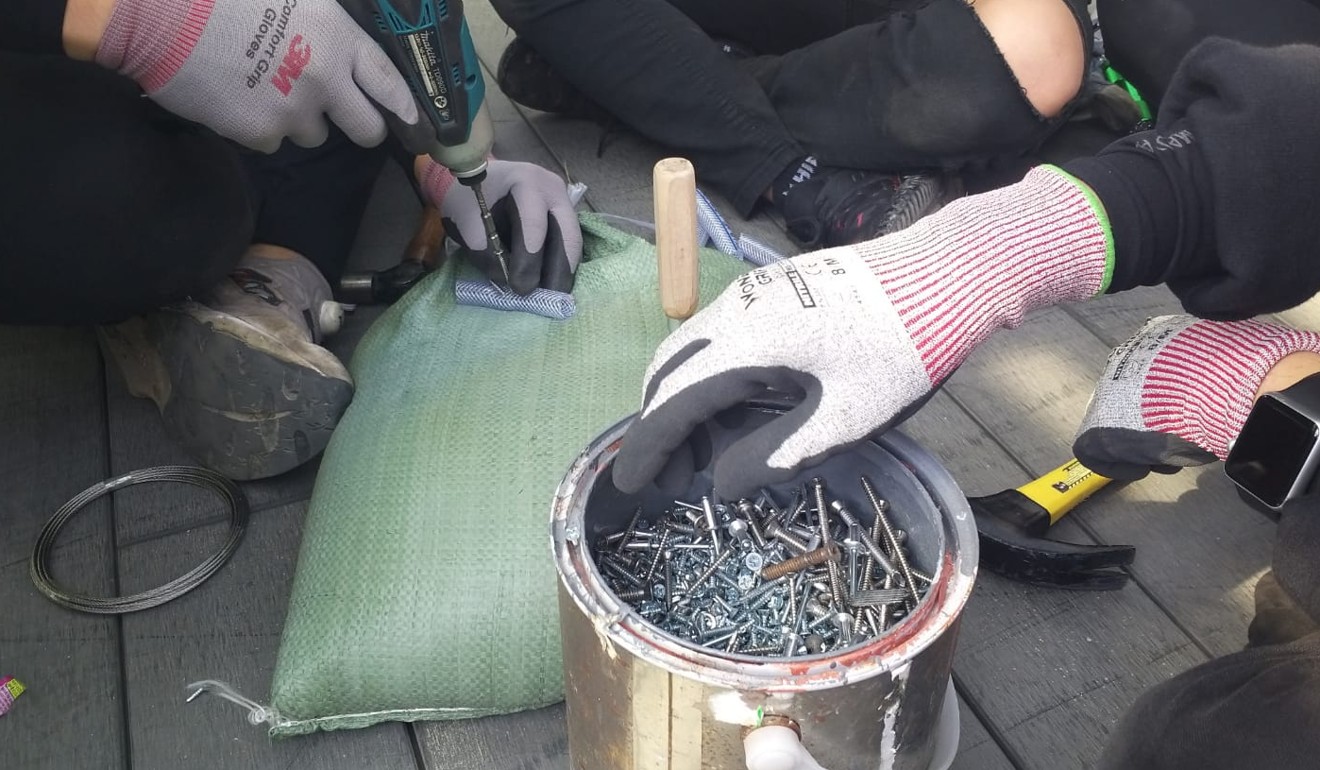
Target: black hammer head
1012	528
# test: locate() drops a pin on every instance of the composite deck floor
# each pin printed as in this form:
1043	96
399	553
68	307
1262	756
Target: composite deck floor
1042	675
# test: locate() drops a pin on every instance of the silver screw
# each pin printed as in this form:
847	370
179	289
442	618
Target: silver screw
876	597
880	507
710	571
618	570
631	595
748	512
877	555
632	527
659	553
776	530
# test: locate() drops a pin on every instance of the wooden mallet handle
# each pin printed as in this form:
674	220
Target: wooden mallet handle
427	244
675	185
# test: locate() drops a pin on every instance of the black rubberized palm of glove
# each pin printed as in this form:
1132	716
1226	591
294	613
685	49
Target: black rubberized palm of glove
665	446
546	268
1128	455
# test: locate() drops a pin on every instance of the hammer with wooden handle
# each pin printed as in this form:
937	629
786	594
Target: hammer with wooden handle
675	187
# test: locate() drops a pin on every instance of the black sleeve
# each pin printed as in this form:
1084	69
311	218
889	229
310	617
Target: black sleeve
1220	200
32	26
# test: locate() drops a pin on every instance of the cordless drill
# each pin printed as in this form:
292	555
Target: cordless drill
429	42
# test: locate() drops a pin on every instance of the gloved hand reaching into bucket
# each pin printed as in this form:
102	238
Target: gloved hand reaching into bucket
863	334
533	216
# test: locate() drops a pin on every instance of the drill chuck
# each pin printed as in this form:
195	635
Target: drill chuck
487	221
468	158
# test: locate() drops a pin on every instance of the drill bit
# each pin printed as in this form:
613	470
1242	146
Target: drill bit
497	248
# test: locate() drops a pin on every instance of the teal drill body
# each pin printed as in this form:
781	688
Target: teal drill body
429	42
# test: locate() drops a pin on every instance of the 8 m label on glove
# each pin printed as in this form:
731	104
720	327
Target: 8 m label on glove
265	43
751	284
800	286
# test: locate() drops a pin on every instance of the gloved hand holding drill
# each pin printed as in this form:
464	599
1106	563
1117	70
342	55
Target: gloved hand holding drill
257	72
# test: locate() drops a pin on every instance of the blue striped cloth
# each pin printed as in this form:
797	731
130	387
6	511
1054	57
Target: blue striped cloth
542	302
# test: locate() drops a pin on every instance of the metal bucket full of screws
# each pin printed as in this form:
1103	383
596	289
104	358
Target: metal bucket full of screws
828	604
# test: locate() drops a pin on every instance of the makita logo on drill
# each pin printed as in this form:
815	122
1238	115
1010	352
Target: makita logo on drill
295	59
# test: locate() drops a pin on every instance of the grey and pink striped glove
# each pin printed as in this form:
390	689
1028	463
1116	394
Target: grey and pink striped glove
1178	392
862	333
257	72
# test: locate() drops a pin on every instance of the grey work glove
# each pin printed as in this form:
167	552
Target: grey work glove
256	71
863	334
1178	392
533	216
818	326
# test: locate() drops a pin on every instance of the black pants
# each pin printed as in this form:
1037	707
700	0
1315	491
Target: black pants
1254	709
1146	39
888	85
113	207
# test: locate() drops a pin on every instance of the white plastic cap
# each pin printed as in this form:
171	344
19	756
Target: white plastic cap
777	748
330	318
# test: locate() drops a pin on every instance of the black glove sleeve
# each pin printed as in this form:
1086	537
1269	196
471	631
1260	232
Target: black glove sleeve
1219	200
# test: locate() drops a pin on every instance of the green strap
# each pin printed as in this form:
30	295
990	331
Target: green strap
1114	76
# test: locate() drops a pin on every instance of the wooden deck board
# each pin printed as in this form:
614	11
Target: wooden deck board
229	630
53	418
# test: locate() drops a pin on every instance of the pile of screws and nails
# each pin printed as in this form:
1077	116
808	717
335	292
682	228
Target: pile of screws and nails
752	578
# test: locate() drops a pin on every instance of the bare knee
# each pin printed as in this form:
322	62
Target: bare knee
1041	42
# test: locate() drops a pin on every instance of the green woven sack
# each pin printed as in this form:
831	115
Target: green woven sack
425	588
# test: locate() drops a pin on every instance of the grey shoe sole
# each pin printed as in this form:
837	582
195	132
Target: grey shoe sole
241	410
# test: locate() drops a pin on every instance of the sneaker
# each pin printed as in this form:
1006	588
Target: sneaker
528	79
838	207
239	377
